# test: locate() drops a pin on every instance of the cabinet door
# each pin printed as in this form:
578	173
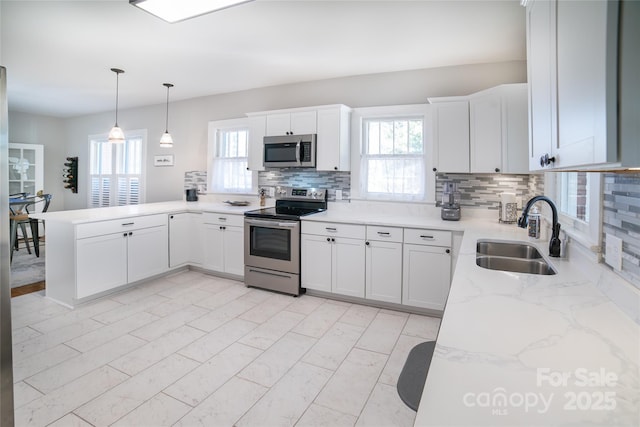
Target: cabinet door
304	122
234	250
147	253
541	72
515	130
26	168
451	136
485	115
101	263
213	247
384	271
426	276
180	239
333	140
584	72
257	129
348	267
196	248
278	124
315	252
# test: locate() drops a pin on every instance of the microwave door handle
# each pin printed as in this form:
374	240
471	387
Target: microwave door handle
298	147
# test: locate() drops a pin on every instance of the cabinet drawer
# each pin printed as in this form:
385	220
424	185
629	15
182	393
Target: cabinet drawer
334	229
385	234
100	228
222	219
427	237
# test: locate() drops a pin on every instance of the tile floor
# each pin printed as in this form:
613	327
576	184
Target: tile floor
196	350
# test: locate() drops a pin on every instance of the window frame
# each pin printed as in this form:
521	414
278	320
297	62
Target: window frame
359	117
113	196
215	127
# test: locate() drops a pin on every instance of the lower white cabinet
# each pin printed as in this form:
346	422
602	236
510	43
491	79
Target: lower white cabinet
426	268
185	239
384	264
106	259
224	243
333	258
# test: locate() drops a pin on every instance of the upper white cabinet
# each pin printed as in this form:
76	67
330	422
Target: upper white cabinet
450	135
333	138
291	123
572	56
498	130
257	129
26	168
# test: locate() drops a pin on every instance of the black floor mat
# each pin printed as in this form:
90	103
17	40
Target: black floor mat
414	374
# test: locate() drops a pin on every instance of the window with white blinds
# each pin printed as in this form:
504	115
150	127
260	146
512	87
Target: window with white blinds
230	148
116	171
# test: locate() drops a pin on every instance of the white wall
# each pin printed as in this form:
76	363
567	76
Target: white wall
188	119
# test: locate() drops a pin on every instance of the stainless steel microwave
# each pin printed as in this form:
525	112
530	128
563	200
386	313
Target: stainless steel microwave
288	151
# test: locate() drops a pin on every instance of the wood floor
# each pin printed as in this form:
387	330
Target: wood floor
27	289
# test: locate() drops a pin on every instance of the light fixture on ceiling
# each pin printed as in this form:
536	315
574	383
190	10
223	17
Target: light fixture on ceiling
167	141
174	11
116	136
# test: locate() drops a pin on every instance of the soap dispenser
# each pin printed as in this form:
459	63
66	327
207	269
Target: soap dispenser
534	223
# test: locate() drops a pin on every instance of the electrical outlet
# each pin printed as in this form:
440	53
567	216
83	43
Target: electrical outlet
338	194
271	191
613	251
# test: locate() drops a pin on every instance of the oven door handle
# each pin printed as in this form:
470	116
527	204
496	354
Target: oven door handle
272	224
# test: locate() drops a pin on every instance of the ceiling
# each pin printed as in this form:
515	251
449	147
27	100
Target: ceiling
58	54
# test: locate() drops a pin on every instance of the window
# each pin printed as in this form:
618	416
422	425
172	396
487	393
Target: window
229	152
392	158
116	171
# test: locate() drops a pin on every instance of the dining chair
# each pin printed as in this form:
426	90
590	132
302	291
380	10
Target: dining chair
31	207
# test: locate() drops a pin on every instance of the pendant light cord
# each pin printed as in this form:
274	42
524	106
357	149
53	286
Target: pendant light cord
166	126
117	91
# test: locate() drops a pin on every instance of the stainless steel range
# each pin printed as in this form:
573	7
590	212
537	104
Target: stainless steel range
272	239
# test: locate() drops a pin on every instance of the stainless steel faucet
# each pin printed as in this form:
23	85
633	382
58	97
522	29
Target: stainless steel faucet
523	221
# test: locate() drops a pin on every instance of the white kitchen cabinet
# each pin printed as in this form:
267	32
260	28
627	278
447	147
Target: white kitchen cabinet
572	64
257	129
333	258
114	253
291	123
498	130
426	268
333	141
224	243
450	135
185	239
384	264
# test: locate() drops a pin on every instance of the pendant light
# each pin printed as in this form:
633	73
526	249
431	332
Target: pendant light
166	141
116	136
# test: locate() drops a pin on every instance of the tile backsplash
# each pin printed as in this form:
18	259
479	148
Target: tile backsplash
483	190
195	179
308	177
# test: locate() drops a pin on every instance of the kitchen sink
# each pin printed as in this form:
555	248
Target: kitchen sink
507	249
511	256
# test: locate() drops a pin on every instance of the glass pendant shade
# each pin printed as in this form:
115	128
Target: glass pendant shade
116	136
166	141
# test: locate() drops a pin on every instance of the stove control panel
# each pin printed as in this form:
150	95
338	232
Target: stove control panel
298	193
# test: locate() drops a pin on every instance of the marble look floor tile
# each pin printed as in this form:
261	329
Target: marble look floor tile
225	406
171	322
271	365
141	291
305	304
187	293
333	347
71	369
382	333
22	334
160	410
83	312
198	384
398	358
286	401
223	297
23	393
258	296
360	315
319	416
320	320
394	313
153	352
110	332
70	420
133	392
267	308
221	315
29	366
35	318
272	330
422	326
54	405
183	277
214	285
384	408
211	344
349	388
54	338
128	310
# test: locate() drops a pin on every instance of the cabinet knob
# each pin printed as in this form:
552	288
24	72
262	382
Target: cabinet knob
124	234
435	169
171	217
335	168
247	168
448	251
497	169
130	233
546	160
366	243
333	240
328	239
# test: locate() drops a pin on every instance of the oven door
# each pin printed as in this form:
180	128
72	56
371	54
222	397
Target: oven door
272	244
